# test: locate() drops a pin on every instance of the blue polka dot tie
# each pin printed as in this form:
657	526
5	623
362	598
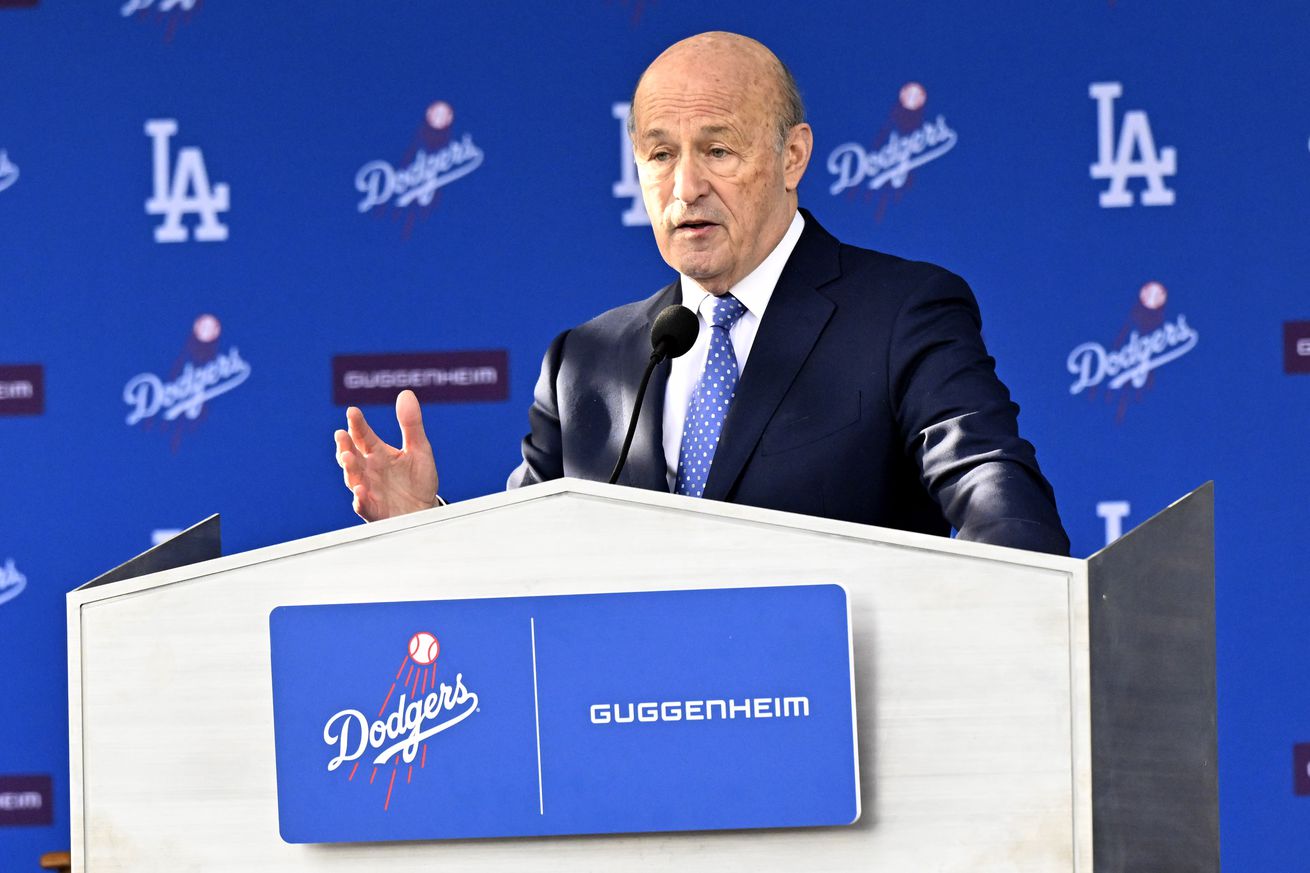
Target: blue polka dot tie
709	402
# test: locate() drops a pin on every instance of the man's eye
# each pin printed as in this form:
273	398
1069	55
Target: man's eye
660	157
718	152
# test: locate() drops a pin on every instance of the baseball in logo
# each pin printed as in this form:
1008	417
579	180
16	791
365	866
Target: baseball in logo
424	648
425	707
907	140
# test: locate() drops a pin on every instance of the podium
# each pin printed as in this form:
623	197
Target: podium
1015	711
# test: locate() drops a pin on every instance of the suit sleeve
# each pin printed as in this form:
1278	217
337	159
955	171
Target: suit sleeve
961	426
543	448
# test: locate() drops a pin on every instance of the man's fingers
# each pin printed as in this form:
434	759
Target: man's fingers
363	436
410	419
363	504
345	445
352	469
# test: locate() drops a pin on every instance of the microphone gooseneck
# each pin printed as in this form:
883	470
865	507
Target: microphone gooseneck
672	335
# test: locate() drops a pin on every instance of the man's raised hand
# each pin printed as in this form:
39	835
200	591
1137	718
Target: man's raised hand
384	480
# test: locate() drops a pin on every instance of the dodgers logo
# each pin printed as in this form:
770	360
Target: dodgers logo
1149	340
170	13
203	372
8	171
434	159
1133	155
183	189
12	582
425	708
908	140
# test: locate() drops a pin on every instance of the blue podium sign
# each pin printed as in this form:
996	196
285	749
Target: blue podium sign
578	714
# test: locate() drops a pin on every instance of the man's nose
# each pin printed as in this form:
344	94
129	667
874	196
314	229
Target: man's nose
689	182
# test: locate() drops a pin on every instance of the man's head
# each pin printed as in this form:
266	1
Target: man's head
721	143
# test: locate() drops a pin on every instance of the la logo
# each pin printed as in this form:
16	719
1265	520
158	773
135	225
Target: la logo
183	189
1134	155
628	186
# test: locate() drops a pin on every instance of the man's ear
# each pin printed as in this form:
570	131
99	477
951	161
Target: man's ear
796	155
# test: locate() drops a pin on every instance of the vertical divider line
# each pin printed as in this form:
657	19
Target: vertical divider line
536	712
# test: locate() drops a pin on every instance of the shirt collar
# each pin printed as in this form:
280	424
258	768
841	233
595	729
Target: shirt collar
755	290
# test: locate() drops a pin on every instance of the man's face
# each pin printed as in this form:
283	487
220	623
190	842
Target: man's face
718	192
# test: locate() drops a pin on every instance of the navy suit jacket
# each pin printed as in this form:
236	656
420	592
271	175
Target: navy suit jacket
868	396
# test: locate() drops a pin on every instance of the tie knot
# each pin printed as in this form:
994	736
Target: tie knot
727	309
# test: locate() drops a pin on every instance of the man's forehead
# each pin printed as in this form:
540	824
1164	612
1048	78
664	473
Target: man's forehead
711	108
706	131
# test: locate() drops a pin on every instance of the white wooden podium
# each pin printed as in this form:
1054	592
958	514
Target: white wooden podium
1016	711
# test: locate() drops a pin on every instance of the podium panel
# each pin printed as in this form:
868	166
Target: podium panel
972	669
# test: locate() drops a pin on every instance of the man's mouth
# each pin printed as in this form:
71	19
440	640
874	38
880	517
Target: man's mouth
694	226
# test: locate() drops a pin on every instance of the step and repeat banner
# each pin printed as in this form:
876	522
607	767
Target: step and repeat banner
223	221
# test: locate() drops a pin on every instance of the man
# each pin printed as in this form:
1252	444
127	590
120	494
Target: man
826	379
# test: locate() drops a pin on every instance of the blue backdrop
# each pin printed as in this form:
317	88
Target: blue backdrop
1125	185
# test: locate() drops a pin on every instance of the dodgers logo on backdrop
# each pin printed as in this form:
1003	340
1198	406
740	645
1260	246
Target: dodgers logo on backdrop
8	171
1149	340
133	7
907	141
1132	156
172	14
628	187
12	582
435	159
425	708
203	371
182	188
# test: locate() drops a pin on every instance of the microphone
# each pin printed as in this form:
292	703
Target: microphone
673	333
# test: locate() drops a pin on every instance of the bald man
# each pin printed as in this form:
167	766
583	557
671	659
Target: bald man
825	379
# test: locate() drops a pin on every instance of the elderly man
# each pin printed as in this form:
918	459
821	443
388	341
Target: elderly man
826	379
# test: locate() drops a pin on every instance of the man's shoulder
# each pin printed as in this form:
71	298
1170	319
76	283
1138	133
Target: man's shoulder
906	273
624	317
860	269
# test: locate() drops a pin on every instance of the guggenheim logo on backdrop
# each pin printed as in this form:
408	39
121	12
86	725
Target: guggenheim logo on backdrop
434	377
1296	346
27	800
22	389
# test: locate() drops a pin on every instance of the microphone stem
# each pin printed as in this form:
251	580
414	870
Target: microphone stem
655	358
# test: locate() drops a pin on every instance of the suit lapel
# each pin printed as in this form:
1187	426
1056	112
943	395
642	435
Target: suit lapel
646	466
796	316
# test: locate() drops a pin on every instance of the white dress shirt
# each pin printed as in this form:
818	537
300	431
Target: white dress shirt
754	292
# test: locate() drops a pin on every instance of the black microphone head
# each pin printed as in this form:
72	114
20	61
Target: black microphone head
674	331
